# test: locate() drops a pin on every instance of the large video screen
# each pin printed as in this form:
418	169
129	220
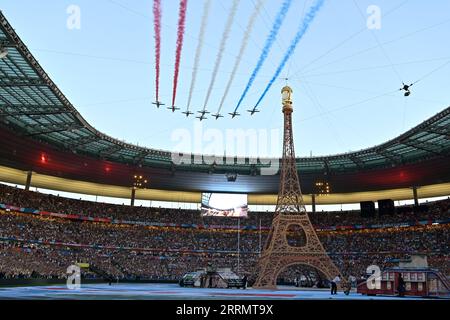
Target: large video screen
224	205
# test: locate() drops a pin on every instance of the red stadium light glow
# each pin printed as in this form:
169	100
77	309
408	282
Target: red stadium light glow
43	158
108	169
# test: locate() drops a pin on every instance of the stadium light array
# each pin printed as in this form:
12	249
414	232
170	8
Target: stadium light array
322	187
139	182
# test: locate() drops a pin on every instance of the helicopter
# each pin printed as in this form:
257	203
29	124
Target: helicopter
406	89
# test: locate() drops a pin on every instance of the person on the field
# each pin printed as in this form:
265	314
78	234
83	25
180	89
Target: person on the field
353	282
210	282
334	284
244	282
203	281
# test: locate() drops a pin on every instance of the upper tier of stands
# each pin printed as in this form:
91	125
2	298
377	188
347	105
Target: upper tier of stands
46	202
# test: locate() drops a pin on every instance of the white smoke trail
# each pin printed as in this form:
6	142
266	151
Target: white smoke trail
242	49
198	51
271	38
223	43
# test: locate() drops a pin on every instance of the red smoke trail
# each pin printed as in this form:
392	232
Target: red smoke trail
157	24
181	24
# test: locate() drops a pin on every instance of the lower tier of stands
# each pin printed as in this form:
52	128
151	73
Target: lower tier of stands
44	246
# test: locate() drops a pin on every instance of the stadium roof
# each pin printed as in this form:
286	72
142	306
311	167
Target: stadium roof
34	108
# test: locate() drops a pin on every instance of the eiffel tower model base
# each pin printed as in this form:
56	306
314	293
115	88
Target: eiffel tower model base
282	255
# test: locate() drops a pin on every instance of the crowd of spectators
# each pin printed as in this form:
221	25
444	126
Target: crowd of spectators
166	253
47	202
33	246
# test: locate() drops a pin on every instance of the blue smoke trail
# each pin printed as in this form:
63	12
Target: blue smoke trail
300	33
265	52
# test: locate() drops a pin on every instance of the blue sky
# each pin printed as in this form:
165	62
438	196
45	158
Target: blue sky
344	82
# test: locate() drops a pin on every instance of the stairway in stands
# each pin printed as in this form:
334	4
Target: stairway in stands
101	273
445	281
119	267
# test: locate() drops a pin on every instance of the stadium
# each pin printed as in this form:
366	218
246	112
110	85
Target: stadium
86	215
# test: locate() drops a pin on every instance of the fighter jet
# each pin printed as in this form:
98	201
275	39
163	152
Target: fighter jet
253	111
188	113
202	114
173	108
201	117
217	116
158	104
234	114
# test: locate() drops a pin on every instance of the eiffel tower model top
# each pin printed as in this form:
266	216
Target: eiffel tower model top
290	212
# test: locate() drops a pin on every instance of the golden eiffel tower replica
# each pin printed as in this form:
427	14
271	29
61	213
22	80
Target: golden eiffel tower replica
291	212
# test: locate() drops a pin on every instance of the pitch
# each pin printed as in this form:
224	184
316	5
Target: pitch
173	292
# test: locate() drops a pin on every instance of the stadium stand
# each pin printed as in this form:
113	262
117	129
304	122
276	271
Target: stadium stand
137	243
